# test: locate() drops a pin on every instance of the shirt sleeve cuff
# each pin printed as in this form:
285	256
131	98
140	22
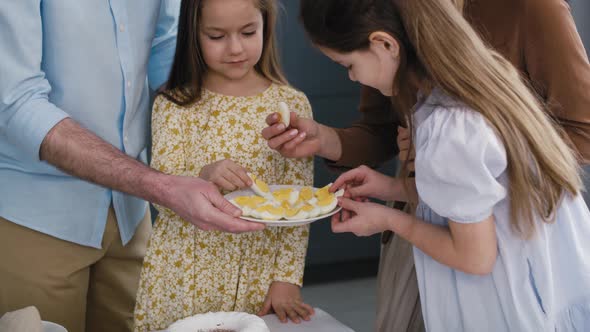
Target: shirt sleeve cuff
31	123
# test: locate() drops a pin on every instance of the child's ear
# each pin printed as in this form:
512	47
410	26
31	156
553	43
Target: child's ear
385	41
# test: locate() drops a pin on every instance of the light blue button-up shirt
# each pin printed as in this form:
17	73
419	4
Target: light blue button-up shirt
89	60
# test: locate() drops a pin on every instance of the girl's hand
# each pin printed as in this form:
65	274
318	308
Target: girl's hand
368	218
284	299
403	143
226	174
365	182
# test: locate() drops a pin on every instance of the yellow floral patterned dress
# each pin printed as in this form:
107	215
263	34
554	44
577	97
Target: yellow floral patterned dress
187	271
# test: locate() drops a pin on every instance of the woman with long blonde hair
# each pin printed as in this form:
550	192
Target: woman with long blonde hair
499	235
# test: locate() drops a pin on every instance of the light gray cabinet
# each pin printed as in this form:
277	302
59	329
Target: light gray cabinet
581	12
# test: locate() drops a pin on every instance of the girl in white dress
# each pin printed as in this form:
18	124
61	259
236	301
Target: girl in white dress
501	235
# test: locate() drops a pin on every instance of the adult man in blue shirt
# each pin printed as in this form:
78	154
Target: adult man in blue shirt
73	131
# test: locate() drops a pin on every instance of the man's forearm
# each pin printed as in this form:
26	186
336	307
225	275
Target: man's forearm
80	153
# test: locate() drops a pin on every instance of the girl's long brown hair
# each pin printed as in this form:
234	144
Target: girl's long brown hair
185	83
438	44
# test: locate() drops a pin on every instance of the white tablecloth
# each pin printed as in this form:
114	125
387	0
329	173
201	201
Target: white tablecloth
321	321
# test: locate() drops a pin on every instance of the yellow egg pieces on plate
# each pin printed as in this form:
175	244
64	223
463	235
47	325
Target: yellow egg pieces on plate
285	205
259	187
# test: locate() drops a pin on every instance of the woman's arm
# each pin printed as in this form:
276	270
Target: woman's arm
372	139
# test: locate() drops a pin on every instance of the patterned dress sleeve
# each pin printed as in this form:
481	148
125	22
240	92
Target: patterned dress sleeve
167	141
290	261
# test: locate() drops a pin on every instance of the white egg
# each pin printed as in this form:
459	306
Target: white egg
260	187
306	193
323	192
339	193
282	195
269	212
255	213
313	201
265	215
247	212
248	201
298	204
293	197
299	215
284	113
327	204
312	211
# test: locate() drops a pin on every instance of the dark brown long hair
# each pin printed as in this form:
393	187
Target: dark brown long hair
185	83
438	44
345	26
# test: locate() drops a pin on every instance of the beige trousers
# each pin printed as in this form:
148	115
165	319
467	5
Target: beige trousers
81	288
398	301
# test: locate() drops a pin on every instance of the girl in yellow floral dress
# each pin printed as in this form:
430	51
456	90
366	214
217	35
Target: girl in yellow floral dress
224	82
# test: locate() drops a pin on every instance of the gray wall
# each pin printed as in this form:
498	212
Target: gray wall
581	12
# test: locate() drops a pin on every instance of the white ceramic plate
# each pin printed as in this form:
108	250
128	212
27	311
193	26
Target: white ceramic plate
211	321
52	327
283	222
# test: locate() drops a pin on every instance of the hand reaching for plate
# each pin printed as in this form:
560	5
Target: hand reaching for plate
226	174
366	182
284	299
366	218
